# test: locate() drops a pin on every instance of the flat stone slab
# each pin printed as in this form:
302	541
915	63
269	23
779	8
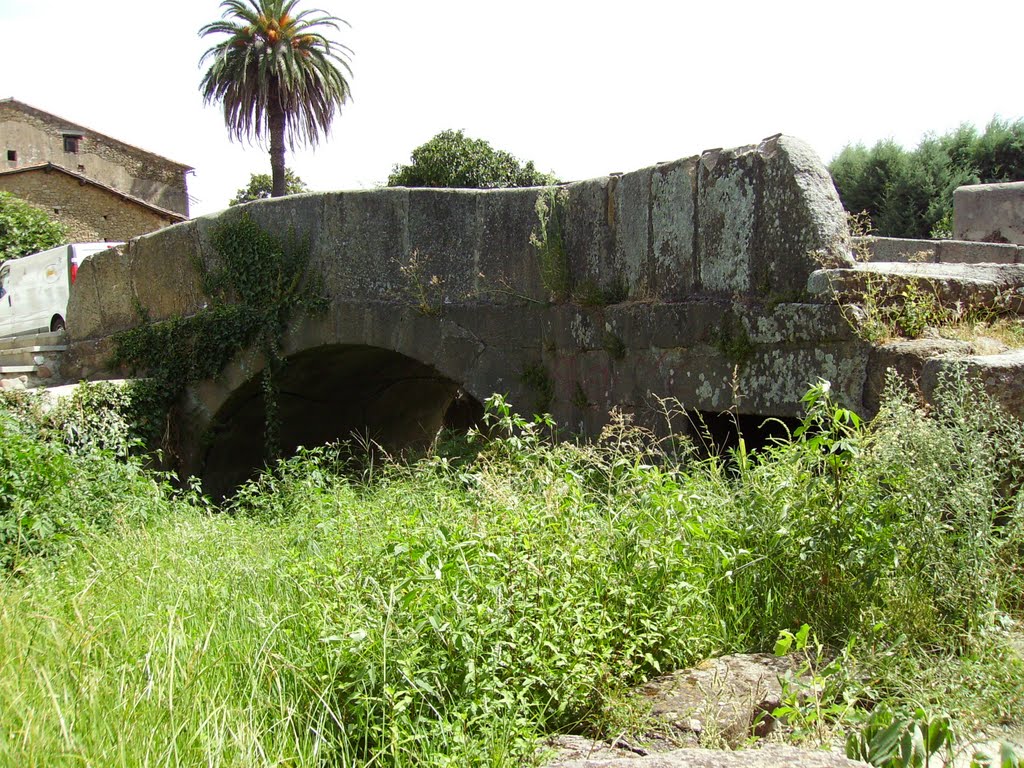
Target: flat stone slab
897	249
773	756
986	285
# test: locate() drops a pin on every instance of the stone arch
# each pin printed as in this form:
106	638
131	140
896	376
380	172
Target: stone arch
396	389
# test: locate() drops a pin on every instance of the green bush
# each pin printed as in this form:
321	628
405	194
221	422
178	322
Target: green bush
261	185
452	159
66	471
25	229
909	193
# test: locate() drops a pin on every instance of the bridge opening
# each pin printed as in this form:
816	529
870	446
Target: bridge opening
363	394
720	432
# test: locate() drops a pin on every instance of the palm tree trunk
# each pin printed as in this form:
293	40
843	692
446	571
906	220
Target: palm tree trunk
276	124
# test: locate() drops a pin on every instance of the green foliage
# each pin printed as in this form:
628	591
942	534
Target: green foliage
452	159
448	613
910	193
549	241
897	740
613	345
261	187
66	471
25	229
258	283
889	309
732	340
812	703
536	377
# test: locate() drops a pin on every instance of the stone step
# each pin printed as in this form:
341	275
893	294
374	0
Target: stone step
27	356
999	287
40	342
890	249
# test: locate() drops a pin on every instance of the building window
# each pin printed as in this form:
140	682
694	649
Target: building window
12	155
71	142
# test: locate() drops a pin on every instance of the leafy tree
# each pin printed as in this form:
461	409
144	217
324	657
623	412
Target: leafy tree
276	74
25	229
452	159
910	193
261	186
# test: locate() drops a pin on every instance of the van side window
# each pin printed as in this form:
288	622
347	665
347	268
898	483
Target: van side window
4	274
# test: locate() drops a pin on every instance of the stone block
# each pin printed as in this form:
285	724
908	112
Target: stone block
506	267
794	323
966	252
571	328
443	249
674	228
727	192
1002	377
775	379
364	244
589	232
872	248
800	221
164	274
84	314
907	359
991	213
631	206
295	218
114	291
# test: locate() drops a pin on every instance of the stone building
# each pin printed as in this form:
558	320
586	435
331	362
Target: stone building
99	187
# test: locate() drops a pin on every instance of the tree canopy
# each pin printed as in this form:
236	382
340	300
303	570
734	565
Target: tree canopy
261	186
276	74
25	229
910	193
452	159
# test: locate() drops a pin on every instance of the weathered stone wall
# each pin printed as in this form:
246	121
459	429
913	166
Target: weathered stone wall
684	280
992	213
38	137
90	213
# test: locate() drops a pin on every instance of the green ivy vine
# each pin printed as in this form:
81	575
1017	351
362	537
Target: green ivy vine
257	284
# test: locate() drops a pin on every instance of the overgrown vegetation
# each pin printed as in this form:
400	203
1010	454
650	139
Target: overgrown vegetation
257	285
910	193
25	229
549	241
448	613
452	159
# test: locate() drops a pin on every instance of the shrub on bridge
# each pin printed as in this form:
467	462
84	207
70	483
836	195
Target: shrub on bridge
452	159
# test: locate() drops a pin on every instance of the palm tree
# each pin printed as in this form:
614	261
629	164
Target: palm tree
276	74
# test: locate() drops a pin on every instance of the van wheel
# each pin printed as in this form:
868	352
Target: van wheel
57	324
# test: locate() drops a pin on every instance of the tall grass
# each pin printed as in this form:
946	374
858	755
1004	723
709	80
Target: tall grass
451	611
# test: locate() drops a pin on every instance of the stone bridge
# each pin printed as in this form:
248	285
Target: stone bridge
685	280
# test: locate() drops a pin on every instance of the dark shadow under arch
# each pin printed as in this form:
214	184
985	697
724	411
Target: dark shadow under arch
335	393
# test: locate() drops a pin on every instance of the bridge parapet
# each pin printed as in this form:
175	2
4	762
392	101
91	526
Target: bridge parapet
756	221
678	280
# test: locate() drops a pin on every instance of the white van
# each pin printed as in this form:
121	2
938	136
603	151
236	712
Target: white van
34	289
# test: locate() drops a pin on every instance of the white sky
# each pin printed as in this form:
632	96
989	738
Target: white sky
580	88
